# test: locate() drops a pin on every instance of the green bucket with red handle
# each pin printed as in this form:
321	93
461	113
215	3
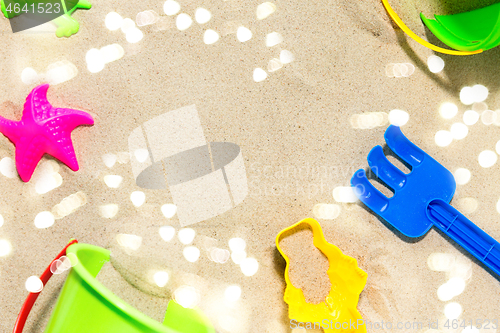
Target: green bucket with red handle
87	306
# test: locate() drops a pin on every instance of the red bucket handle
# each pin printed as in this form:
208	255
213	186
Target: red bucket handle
30	300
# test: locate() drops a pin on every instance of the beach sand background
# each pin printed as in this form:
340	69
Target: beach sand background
290	127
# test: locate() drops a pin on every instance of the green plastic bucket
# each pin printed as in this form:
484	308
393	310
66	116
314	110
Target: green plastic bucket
85	305
478	29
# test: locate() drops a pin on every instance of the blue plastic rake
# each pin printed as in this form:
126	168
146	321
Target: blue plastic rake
421	198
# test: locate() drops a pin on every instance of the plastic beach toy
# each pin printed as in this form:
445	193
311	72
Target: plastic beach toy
43	129
66	25
348	280
86	306
469	28
421	198
470	31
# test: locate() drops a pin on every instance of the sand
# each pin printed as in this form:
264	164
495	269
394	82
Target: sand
290	127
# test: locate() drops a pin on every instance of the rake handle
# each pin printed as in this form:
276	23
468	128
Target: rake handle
465	233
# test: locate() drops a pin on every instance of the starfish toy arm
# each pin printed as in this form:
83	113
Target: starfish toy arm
40	109
8	128
59	128
28	151
43	129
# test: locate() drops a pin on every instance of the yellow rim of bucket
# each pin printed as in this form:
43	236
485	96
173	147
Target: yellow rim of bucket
419	40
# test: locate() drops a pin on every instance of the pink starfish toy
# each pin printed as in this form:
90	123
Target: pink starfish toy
43	129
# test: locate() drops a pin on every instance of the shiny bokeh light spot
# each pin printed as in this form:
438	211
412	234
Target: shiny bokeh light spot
472	329
273	39
448	110
161	278
183	21
147	17
29	76
108	211
344	194
487	158
171	7
167	233
462	176
238	256
95	61
468	205
132	242
452	310
127	24
113	21
202	15
398	117
237	244
435	64
5	247
243	34
443	138
440	262
259	75
113	181
249	266
497	147
138	198
187	296
273	65
480	93
134	35
264	10
191	253
467	95
488	117
33	284
479	107
326	211
232	293
470	117
44	220
459	131
8	167
168	210
186	235
286	57
210	37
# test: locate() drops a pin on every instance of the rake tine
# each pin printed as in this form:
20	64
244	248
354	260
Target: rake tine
367	193
403	147
385	170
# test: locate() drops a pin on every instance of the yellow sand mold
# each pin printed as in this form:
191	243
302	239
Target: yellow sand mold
338	312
